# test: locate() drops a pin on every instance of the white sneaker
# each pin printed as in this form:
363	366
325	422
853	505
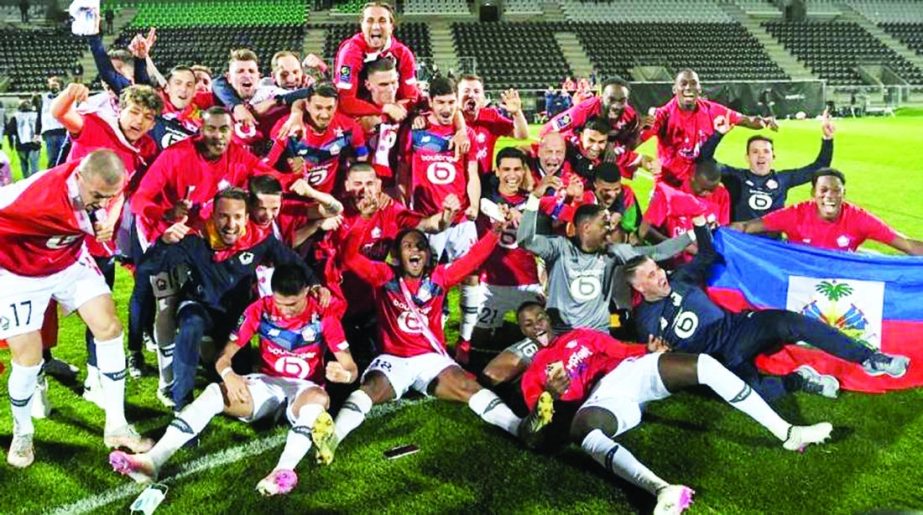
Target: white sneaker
127	437
41	407
673	499
139	467
21	453
278	482
815	382
800	437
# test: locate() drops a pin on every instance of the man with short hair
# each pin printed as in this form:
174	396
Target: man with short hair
53	133
375	40
612	383
683	124
670	211
608	190
581	269
203	78
330	139
221	267
677	310
294	334
759	189
829	222
44	258
490	123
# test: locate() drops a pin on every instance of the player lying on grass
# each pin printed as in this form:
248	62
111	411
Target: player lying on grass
44	257
409	297
294	333
677	309
612	382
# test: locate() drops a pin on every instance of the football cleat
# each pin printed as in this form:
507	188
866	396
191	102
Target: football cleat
673	499
881	363
542	414
41	407
165	396
60	370
127	437
21	453
815	382
800	437
278	482
139	467
323	435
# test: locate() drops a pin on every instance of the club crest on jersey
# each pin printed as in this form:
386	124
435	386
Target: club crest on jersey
853	307
772	184
309	333
246	258
843	241
563	121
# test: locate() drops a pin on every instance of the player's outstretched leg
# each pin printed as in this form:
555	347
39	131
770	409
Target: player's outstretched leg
678	371
454	384
590	429
306	415
375	389
145	467
538	419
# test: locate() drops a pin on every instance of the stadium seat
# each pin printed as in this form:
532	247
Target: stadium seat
28	57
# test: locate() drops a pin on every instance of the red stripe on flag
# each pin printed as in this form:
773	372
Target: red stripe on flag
898	337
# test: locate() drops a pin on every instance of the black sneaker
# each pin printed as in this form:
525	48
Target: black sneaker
815	382
136	366
60	370
881	363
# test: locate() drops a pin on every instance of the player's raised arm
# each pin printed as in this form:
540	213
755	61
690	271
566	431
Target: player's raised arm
513	105
64	107
526	235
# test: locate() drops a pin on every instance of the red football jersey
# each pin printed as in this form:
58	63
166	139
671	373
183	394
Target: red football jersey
587	356
488	127
99	132
681	134
802	224
435	171
350	60
42	222
400	330
508	264
673	209
291	346
377	240
182	173
323	153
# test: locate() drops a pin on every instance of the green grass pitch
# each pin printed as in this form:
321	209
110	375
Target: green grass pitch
466	466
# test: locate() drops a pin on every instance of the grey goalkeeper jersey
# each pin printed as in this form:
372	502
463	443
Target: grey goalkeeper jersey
580	284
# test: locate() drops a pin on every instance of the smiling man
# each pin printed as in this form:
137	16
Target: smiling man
829	222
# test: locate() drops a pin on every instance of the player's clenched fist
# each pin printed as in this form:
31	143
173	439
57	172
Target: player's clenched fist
336	373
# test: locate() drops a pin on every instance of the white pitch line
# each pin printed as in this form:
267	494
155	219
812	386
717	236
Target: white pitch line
208	462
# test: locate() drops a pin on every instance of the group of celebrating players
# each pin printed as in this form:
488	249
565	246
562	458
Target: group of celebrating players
329	218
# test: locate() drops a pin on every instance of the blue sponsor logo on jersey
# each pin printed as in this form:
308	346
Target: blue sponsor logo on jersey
563	121
346	74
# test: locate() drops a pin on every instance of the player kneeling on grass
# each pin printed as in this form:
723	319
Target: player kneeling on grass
613	383
294	333
44	224
409	297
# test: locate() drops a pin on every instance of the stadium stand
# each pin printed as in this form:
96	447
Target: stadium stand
644	11
214	13
889	11
414	35
717	51
758	7
833	50
210	45
27	57
348	7
910	34
523	7
512	55
441	7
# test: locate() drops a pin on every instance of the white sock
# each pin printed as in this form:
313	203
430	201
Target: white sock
470	303
92	380
618	460
110	359
738	394
21	387
493	411
190	422
165	365
164	337
352	413
298	441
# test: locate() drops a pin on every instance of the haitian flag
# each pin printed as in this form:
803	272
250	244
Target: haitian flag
874	299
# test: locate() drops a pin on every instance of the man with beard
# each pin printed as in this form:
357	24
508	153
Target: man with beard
219	277
329	141
489	123
624	125
384	218
827	221
53	133
685	123
374	41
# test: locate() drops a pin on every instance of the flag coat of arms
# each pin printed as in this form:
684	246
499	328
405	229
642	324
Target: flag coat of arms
876	300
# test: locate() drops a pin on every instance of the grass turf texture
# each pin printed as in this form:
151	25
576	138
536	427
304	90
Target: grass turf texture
466	466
